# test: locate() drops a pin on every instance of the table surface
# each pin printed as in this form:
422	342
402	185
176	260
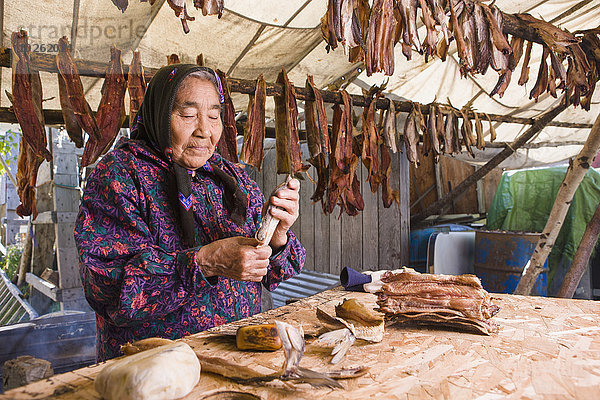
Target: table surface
546	348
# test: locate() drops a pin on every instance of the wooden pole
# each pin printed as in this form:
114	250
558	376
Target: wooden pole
582	257
444	202
575	173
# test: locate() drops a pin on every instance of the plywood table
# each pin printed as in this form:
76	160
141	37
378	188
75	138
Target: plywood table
546	348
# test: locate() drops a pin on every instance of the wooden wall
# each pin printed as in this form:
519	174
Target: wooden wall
377	238
452	172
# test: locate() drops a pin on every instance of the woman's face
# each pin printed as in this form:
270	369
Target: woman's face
195	122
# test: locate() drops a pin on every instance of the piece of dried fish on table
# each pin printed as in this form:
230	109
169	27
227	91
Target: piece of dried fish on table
439	300
352	321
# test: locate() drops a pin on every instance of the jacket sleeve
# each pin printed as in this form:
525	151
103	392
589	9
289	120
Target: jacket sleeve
126	277
289	260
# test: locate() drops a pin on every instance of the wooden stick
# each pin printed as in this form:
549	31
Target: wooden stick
575	173
444	202
582	257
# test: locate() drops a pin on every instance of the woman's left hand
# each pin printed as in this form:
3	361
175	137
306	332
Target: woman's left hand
286	210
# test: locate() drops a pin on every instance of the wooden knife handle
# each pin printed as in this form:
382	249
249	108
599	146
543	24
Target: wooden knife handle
258	337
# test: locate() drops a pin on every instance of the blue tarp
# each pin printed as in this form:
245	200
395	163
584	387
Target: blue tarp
523	202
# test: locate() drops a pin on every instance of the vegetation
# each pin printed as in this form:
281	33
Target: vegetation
10	263
9	140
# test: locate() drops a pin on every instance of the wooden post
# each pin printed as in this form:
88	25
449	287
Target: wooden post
575	173
444	202
582	257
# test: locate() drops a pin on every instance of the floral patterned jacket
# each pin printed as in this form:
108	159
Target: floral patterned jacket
136	273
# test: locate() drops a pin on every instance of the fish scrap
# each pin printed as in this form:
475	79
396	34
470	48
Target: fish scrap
352	320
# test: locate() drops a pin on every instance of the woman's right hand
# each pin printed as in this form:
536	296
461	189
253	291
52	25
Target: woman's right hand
236	257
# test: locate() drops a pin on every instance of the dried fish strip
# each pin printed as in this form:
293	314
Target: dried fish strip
81	108
389	127
254	134
73	129
136	85
111	110
370	145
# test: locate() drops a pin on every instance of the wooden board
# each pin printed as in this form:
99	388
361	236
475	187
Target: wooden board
546	348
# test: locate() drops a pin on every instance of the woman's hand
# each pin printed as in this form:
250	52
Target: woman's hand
237	258
286	210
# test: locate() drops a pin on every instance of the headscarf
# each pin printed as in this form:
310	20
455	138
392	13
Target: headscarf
153	125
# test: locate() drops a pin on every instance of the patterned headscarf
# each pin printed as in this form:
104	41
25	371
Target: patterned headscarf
153	125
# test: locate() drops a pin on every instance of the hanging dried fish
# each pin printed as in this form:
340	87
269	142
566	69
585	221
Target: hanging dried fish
343	150
254	134
467	133
449	133
73	129
411	137
136	84
435	127
210	7
439	14
81	108
360	27
482	33
389	127
464	53
502	53
525	67
173	59
430	136
492	129
327	27
480	144
27	105
316	135
542	80
502	83
111	111
287	139
121	4
180	9
379	52
410	36
388	195
371	145
227	145
469	29
336	177
455	133
516	45
321	115
430	43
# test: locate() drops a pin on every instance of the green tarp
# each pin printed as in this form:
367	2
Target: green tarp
524	200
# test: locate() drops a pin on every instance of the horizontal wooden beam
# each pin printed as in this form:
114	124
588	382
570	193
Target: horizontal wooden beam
54	117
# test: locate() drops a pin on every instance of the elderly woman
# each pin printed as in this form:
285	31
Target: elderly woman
166	228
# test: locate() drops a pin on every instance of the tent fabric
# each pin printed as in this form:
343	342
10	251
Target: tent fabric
523	202
262	36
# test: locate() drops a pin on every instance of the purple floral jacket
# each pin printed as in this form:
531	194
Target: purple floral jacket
136	273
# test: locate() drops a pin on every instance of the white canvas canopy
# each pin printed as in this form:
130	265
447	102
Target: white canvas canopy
259	37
